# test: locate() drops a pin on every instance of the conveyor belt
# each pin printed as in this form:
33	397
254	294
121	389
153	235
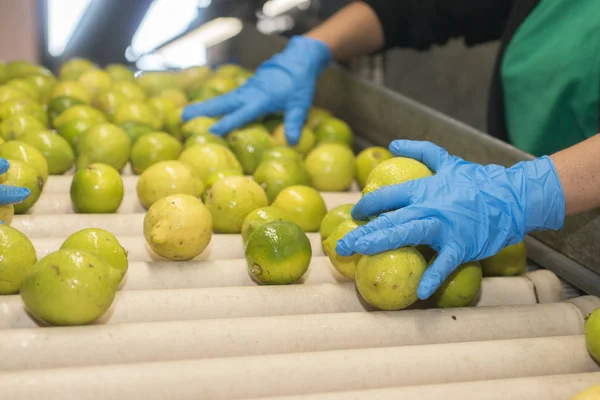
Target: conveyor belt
204	330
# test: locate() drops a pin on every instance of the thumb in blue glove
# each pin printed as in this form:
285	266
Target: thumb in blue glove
10	194
286	82
465	211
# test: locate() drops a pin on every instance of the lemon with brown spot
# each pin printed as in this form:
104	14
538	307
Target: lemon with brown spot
178	227
395	171
17	258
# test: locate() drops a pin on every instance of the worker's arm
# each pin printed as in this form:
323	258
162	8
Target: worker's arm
578	168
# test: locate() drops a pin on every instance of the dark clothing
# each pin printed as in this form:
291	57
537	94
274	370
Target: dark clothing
420	24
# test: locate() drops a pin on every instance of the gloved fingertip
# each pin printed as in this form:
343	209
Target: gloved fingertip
188	114
342	249
217	130
426	289
4	165
362	246
357	213
292	135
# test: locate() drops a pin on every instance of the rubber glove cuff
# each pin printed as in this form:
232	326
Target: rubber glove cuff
541	194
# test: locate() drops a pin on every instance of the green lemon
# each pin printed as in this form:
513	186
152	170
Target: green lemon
55	149
79	112
178	227
154	82
97	189
305	144
395	171
136	130
73	130
228	70
335	217
389	280
17	150
203	93
23	106
153	148
7	212
102	244
166	178
193	77
72	69
109	100
21	69
217	176
510	261
209	158
316	115
275	175
249	145
69	287
344	265
16	125
95	81
24	175
304	205
197	126
331	167
17	258
131	90
104	143
368	159
461	288
119	73
44	84
334	130
200	139
161	106
10	93
222	84
278	253
71	89
177	96
58	105
279	153
231	199
259	217
26	87
173	122
139	112
592	334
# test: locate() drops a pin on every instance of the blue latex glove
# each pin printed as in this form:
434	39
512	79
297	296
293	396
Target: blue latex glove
286	82
10	194
465	211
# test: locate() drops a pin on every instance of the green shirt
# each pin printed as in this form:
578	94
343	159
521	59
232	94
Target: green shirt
551	76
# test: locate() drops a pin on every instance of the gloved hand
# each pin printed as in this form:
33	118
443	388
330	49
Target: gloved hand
10	194
286	82
465	211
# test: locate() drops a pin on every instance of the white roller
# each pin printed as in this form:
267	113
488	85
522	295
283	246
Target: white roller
61	226
219	273
178	340
221	247
254	301
553	387
304	373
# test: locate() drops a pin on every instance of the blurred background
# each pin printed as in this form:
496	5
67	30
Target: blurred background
161	34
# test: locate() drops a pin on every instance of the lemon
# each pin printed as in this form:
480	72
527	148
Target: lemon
55	149
316	115
139	112
71	89
108	102
591	393
102	244
95	81
7	212
271	122
119	73
177	96
69	287
197	126
167	178
395	171
222	84
389	280
23	106
217	176
304	205
249	144
16	125
130	90
331	167
193	77
26	87
231	199
17	258
275	175
368	159
154	82
153	148
259	217
59	104
592	334
461	288
200	139
79	112
336	216
161	106
17	150
334	130
104	143
281	153
278	253
344	265
203	93
72	69
173	122
305	144
178	227
44	84
209	158
72	131
8	92
510	261
97	189
24	175
136	130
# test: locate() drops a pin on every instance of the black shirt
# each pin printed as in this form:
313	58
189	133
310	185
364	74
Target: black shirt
420	24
